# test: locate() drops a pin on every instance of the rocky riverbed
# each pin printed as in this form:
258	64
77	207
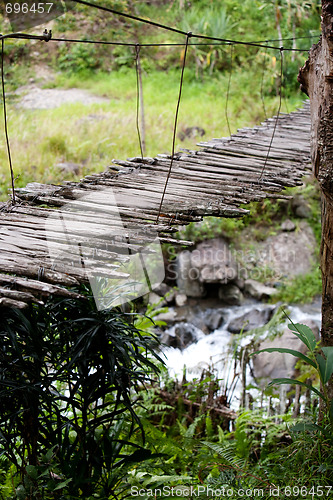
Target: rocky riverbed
222	295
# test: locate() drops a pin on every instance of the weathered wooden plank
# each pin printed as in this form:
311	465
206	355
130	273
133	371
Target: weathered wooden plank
39	288
17	304
19	296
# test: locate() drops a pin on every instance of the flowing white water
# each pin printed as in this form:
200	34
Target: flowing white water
215	350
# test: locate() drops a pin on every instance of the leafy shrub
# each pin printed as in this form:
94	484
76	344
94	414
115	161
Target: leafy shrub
78	58
68	374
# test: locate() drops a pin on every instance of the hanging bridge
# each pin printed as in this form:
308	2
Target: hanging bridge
39	232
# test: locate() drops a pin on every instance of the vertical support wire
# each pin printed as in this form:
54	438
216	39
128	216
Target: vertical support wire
262	84
277	115
5	120
138	71
283	86
188	36
228	88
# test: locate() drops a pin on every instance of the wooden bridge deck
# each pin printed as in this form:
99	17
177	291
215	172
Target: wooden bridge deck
214	180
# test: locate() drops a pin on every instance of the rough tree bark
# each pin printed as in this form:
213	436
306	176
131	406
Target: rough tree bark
316	78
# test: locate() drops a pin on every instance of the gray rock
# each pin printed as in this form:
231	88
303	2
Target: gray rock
288	225
252	319
166	291
257	290
288	253
210	262
194	315
213	319
187	280
162	289
267	366
169	317
180	299
300	207
181	335
240	282
153	298
230	295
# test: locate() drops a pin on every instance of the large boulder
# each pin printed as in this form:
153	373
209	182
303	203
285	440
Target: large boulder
230	294
288	253
187	280
213	318
210	262
267	366
252	319
257	290
180	335
300	207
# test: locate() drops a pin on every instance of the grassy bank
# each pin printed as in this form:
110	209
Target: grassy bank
92	135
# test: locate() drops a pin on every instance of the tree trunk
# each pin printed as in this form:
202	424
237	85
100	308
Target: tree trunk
316	78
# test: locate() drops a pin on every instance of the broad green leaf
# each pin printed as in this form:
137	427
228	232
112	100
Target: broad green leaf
48	455
280	381
304	426
32	471
328	351
282	350
323	368
305	334
62	484
307	426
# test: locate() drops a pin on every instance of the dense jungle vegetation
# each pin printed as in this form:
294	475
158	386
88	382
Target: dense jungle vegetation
87	407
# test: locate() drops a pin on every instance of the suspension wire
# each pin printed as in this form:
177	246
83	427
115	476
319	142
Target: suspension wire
46	36
262	85
288	39
188	36
277	115
228	89
137	67
283	79
175	30
129	16
214	41
5	120
250	44
168	44
132	44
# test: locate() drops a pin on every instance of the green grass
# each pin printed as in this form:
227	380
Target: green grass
42	138
300	289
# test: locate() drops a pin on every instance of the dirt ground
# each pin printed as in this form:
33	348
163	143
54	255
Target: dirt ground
34	97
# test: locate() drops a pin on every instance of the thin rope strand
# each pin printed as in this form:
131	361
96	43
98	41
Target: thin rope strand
188	36
137	62
228	89
5	120
277	115
262	86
